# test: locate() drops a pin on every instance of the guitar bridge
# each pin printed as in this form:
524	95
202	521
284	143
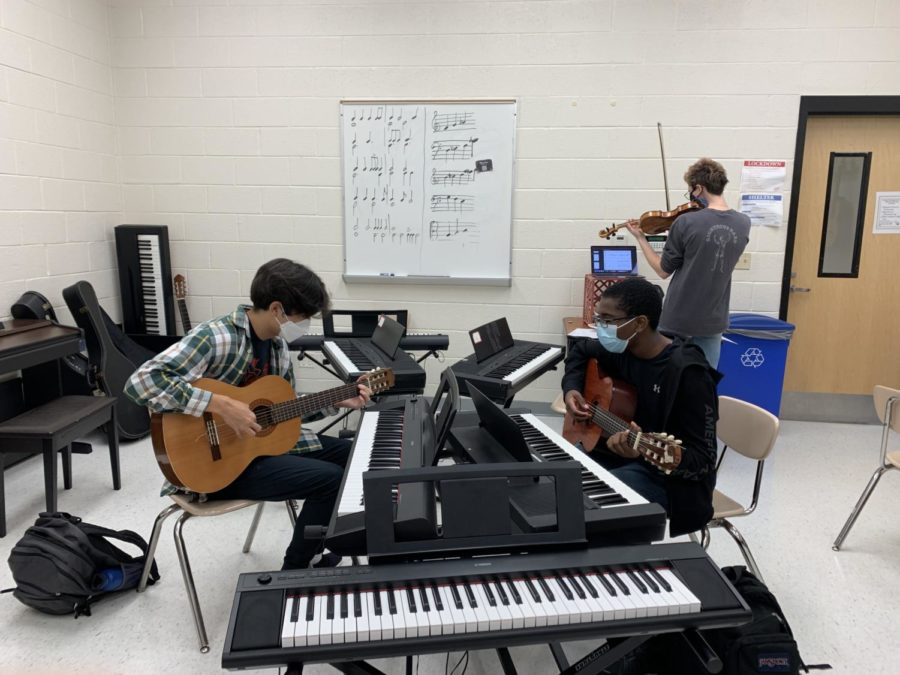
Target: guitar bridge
212	436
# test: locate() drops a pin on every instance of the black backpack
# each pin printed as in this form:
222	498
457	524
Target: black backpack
61	565
764	645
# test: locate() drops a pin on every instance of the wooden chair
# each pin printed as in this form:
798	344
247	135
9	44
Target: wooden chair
559	404
52	428
750	431
200	509
887	405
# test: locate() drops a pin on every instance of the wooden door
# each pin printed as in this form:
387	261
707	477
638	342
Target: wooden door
845	296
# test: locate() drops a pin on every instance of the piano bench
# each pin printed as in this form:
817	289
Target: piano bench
53	427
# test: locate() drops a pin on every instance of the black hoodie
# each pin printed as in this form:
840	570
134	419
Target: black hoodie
676	394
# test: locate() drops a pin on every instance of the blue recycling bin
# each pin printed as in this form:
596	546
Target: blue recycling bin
754	354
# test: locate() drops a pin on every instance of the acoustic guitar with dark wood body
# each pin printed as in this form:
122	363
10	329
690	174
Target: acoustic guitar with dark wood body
203	454
612	405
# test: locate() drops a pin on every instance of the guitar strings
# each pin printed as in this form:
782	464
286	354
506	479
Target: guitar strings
285	410
614	424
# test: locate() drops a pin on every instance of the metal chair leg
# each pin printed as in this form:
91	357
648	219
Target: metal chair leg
291	505
863	498
154	540
248	542
745	550
700	537
189	582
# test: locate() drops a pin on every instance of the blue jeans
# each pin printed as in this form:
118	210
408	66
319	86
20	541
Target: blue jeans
644	479
647	481
314	477
711	346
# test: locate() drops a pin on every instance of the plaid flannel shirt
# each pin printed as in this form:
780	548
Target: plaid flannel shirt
220	349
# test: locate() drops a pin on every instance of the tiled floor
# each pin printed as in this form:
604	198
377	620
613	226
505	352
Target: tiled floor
843	606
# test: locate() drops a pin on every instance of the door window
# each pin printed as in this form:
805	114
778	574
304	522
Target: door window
845	210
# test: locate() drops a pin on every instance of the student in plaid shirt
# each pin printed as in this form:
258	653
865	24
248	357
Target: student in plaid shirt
237	349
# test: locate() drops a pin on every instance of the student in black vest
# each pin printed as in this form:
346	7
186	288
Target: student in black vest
676	394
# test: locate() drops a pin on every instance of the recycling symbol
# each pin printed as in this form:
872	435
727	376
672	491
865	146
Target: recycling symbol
752	358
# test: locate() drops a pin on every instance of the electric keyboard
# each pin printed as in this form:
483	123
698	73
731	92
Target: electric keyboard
385	439
145	279
506	373
350	613
613	511
351	357
411	342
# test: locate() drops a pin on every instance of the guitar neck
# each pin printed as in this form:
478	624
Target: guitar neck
301	407
611	424
185	319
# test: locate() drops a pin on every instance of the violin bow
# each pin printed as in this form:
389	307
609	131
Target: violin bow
662	154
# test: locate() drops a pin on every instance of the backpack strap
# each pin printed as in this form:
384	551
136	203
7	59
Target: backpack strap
129	537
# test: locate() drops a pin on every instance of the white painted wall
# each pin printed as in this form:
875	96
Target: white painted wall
60	192
227	123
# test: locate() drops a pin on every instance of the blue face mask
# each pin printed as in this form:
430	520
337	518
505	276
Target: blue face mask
701	201
609	340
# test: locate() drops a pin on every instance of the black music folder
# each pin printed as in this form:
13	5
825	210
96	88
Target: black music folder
499	425
491	338
387	335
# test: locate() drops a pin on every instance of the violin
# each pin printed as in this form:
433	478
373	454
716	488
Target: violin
653	222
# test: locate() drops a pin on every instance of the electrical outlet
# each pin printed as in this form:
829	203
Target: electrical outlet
743	262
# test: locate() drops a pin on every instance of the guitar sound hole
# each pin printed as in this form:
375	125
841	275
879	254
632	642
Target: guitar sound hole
263	414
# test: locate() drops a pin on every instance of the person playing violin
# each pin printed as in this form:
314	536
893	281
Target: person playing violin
701	251
676	393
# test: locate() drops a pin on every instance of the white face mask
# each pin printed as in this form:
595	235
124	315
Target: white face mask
291	330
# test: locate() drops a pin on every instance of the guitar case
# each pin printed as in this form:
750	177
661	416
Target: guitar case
112	355
76	373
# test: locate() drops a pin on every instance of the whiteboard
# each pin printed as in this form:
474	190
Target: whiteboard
428	190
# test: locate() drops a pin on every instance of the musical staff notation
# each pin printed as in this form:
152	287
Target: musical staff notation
452	121
455	149
383	231
460	177
457	203
427	187
446	230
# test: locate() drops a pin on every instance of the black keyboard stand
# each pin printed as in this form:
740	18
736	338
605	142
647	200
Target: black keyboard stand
592	663
431	352
351	667
322	364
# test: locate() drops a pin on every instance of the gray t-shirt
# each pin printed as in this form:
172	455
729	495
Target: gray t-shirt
701	251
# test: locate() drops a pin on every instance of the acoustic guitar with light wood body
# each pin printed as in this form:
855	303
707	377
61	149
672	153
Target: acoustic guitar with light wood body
203	454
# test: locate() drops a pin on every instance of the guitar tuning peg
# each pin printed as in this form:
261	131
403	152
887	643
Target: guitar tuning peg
670	437
677	441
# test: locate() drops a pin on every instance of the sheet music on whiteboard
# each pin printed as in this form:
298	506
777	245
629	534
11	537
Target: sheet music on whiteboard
428	190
